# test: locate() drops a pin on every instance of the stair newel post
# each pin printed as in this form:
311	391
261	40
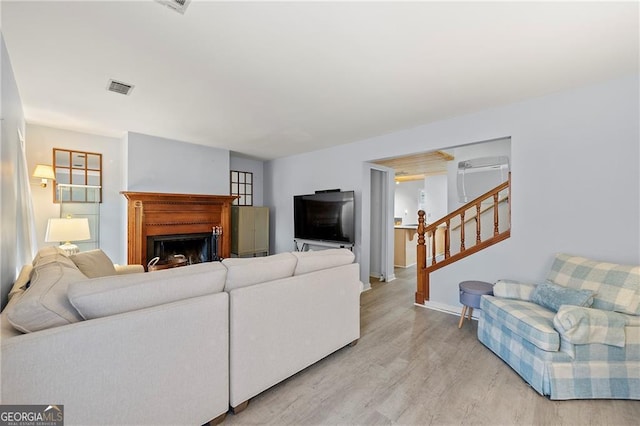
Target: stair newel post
496	219
422	292
478	239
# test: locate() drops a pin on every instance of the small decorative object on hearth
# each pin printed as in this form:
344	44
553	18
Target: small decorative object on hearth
173	261
217	232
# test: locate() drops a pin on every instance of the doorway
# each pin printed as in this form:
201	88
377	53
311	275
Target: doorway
380	224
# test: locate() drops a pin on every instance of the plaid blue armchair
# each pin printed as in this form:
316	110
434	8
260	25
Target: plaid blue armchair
575	337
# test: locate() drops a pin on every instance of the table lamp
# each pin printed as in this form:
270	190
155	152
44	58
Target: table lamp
67	230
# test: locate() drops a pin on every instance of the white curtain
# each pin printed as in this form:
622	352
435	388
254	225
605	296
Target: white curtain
27	244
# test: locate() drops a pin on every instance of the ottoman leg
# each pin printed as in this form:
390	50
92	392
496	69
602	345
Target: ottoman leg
470	313
464	311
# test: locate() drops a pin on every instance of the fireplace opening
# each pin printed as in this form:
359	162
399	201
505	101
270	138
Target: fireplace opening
196	248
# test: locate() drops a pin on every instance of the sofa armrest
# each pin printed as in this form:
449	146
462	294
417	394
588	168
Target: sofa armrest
510	289
580	325
128	269
162	365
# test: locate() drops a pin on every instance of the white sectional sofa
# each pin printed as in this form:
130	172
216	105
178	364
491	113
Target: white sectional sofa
177	346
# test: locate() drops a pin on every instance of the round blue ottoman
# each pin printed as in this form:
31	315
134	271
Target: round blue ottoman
470	293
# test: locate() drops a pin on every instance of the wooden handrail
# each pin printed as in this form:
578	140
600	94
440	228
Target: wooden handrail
423	270
482	210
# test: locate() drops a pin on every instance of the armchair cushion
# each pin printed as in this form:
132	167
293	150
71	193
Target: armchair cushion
579	325
508	289
552	296
617	286
528	320
94	263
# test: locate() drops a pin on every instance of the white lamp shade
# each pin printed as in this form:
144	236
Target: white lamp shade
67	229
44	172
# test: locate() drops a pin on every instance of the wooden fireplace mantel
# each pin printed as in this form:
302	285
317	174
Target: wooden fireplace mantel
156	213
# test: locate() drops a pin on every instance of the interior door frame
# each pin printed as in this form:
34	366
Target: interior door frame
387	195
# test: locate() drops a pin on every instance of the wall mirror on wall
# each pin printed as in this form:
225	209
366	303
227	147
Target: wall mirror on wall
81	172
242	186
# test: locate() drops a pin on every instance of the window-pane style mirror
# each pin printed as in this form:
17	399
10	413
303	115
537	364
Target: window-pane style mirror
77	168
242	186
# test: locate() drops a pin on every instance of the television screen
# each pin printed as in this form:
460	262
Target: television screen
325	216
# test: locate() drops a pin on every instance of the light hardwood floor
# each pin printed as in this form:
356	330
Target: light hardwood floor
413	366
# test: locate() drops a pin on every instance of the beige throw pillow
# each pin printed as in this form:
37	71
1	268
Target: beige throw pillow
94	263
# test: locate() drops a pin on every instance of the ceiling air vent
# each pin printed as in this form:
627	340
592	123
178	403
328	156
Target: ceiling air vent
177	5
119	87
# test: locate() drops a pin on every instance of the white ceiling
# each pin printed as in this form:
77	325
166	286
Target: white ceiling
273	79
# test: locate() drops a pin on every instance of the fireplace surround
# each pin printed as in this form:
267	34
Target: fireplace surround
156	214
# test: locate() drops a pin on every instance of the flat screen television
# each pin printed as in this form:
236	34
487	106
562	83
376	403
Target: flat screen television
325	216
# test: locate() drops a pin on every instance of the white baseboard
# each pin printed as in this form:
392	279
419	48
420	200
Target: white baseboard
447	309
404	267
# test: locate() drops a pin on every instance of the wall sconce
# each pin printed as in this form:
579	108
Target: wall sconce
45	173
68	229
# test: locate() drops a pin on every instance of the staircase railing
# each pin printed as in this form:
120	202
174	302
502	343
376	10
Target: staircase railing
428	232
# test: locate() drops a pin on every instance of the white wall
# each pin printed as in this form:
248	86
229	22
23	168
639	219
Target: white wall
256	167
40	143
435	188
165	165
407	200
12	121
576	181
137	159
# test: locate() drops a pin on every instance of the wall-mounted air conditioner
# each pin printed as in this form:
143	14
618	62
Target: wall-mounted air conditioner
479	175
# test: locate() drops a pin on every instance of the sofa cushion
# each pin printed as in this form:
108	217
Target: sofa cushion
94	263
509	289
44	304
616	287
530	321
242	272
552	296
310	261
104	296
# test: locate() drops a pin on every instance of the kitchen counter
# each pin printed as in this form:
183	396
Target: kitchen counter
405	245
406	227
